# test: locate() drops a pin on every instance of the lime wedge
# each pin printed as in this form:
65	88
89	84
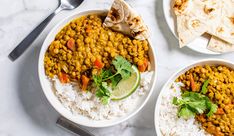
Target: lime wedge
126	87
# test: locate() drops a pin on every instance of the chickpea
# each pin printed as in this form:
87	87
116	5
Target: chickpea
99	43
56	51
219	91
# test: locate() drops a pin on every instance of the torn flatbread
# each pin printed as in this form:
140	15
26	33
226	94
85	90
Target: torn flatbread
225	29
194	17
189	29
181	6
218	45
124	19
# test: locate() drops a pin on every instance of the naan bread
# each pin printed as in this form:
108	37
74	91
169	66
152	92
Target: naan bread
218	45
195	17
225	29
124	19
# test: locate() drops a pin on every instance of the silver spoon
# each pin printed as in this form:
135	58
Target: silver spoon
63	5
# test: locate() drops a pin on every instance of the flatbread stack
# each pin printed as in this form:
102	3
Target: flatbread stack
124	19
215	17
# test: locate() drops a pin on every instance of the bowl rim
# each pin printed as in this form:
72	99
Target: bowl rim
58	108
175	75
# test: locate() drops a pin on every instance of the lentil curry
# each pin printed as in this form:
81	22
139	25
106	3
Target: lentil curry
84	46
220	90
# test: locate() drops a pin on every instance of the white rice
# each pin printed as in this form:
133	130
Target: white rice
170	124
87	104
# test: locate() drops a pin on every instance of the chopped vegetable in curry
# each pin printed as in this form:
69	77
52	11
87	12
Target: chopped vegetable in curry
212	84
84	47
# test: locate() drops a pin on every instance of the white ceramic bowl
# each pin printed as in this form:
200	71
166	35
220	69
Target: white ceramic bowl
79	119
176	75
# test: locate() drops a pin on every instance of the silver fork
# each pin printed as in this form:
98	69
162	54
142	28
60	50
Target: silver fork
63	5
72	127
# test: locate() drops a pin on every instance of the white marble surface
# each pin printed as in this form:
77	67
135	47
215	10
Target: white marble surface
24	110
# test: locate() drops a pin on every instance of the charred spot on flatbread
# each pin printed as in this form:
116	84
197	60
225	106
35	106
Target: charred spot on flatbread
195	17
124	19
208	10
215	17
225	27
180	6
136	33
232	20
134	21
220	29
114	14
195	23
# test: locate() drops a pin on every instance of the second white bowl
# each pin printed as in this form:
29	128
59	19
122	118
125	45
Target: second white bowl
176	75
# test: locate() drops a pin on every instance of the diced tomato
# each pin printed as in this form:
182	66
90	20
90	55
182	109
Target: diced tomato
192	83
85	81
71	44
201	118
63	78
219	111
143	67
88	29
98	63
211	129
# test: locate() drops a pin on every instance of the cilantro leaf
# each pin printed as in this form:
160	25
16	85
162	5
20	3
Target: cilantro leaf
195	103
106	73
97	80
175	101
185	112
105	100
178	102
105	88
192	96
213	108
123	67
123	70
198	106
115	80
100	93
204	87
103	91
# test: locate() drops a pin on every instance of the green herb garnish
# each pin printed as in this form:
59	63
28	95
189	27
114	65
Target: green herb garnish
123	70
204	87
103	90
105	100
213	110
123	67
193	103
115	80
185	112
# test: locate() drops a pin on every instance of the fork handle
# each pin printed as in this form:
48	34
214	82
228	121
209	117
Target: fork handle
72	127
23	45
